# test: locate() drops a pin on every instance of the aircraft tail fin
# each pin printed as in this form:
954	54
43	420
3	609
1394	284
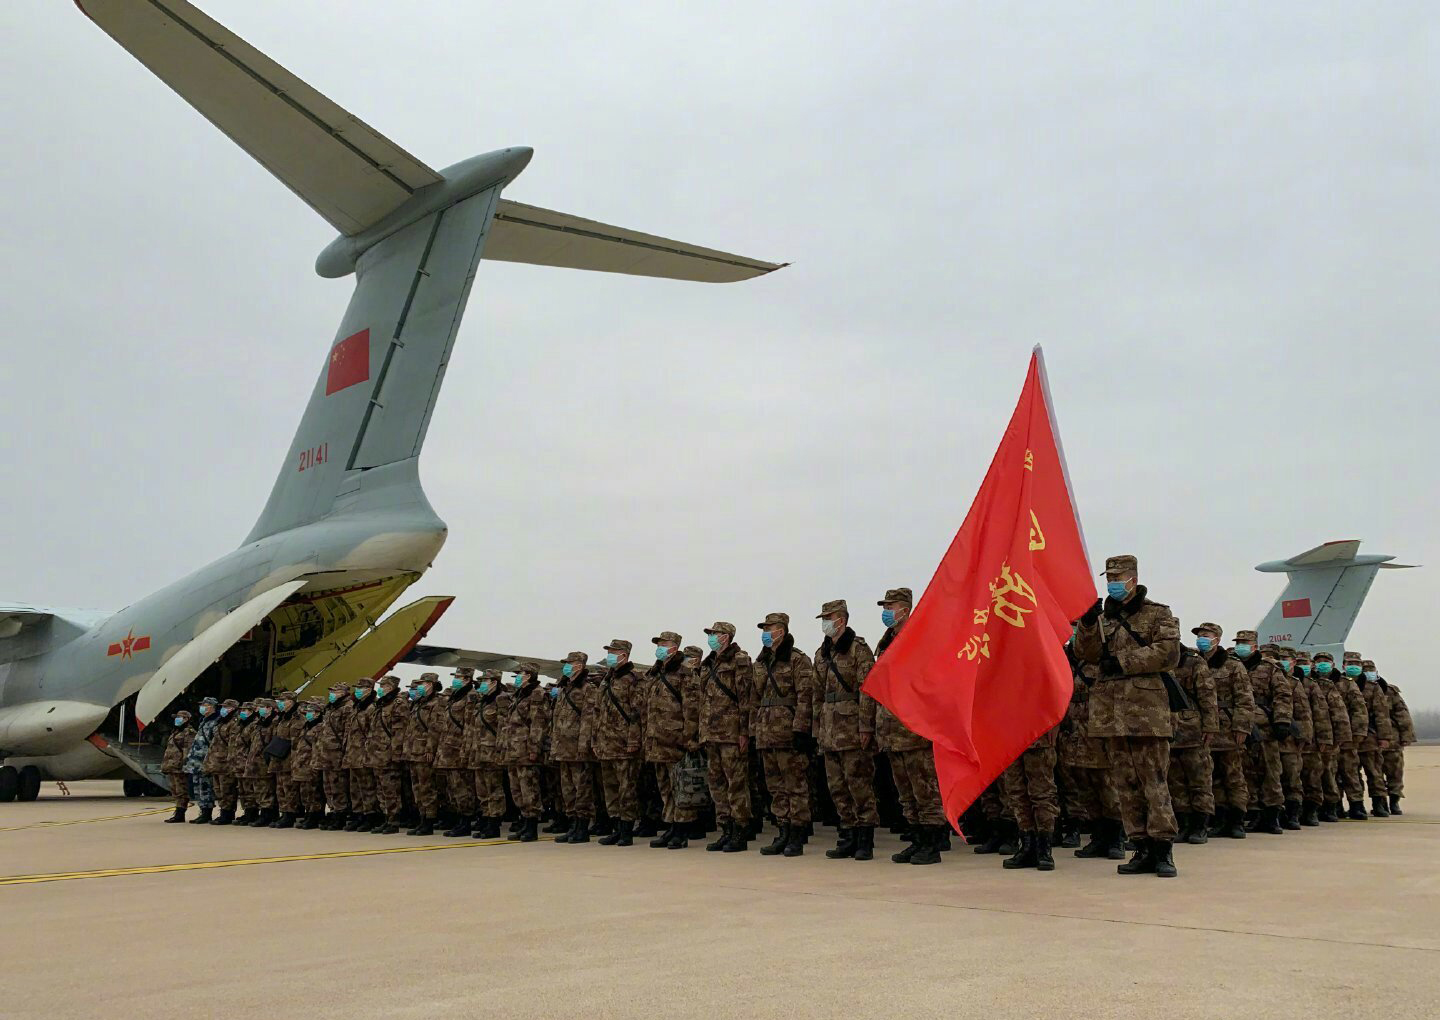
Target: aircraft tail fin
1325	589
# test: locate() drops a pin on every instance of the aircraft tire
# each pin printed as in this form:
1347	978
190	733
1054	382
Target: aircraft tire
134	787
9	783
29	784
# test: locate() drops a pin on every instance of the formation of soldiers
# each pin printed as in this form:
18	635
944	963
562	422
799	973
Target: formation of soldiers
1161	743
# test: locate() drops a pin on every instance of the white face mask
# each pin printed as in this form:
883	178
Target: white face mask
829	628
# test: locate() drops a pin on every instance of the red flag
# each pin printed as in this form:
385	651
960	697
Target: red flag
980	668
349	362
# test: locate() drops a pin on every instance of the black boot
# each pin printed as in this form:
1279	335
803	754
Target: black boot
1252	819
460	828
1199	830
353	823
723	839
227	817
1143	863
268	817
928	849
614	838
865	843
1024	855
1357	810
776	845
738	843
795	845
1069	833
1379	808
285	821
1310	815
425	828
389	827
1234	824
679	836
582	831
918	835
807	832
178	816
603	827
1185	824
1115	848
662	840
1219	822
627	833
529	830
1329	812
482	828
1290	816
317	818
1395	804
1269	822
1044	860
844	846
558	824
1099	841
205	817
1164	857
645	829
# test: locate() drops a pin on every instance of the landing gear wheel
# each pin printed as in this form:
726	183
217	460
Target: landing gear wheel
134	787
9	783
29	783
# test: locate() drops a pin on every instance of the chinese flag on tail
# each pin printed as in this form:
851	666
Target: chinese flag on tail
980	667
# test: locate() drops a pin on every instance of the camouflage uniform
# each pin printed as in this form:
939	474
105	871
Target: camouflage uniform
200	783
1235	711
1086	758
287	726
357	760
520	747
1292	747
1348	767
450	764
305	779
570	722
781	709
615	739
218	767
1028	786
1380	731
1134	642
172	764
257	774
385	744
484	752
844	728
419	747
1191	767
328	755
1272	691
725	693
1341	736
1393	757
671	724
912	759
1312	757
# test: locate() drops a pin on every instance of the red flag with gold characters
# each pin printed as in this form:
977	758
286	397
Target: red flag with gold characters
980	668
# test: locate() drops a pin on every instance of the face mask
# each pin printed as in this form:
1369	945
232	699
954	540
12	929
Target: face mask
179	721
767	639
484	686
1243	651
568	669
206	709
264	712
414	693
309	716
612	660
244	715
1371	674
661	652
887	617
519	681
456	683
554	692
1204	643
1285	664
1324	668
224	712
331	697
1353	671
360	694
379	690
714	640
1117	590
282	705
827	627
1304	669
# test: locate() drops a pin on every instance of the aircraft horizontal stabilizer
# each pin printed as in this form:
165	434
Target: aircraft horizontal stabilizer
454	658
543	237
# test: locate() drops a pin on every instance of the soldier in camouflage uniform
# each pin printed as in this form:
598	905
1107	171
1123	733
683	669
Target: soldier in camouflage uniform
287	726
1379	735
357	761
484	752
1135	642
218	768
1273	723
1348	766
1028	786
671	727
615	739
200	782
1087	761
1393	757
450	762
172	764
328	755
1340	737
520	738
305	779
1235	708
257	764
845	730
1191	768
1292	747
725	692
781	710
1321	735
912	760
385	746
570	745
419	747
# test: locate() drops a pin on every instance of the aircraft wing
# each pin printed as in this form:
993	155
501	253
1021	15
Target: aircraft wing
341	167
451	658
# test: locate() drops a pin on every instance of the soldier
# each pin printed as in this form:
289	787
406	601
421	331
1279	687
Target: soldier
781	710
1322	734
1393	757
1348	767
1135	642
615	738
485	752
1234	707
357	761
520	737
571	754
257	766
1340	737
328	755
725	693
177	746
1272	691
386	747
671	727
1028	786
551	800
1096	798
287	727
845	730
912	761
200	783
305	779
218	767
1292	747
418	750
240	746
1196	726
1379	736
450	764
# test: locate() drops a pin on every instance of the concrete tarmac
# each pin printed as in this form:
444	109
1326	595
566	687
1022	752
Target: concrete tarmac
107	912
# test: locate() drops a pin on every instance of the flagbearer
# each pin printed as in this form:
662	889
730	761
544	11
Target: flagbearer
1136	643
845	730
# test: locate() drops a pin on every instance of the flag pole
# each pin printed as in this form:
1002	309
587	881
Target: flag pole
1039	353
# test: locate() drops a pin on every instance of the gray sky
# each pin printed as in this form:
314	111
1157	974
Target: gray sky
1221	224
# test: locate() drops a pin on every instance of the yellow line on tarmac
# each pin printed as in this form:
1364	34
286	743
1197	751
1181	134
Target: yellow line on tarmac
157	869
83	821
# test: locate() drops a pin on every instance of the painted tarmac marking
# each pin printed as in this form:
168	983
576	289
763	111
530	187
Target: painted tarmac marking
159	869
85	821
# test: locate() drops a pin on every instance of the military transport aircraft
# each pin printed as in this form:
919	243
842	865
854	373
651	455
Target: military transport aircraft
347	527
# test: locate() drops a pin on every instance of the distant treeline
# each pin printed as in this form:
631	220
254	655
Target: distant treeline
1427	724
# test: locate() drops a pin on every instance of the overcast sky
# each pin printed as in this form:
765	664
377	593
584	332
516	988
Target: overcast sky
1221	225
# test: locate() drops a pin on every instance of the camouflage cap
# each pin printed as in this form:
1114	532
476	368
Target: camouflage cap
392	681
264	703
528	666
1211	629
282	695
692	652
210	701
1122	564
833	606
1324	657
229	703
491	674
340	686
897	595
433	678
579	657
1352	657
1301	656
247	704
1367	663
313	703
1246	637
1269	648
363	681
775	620
668	636
185	712
721	627
619	645
1287	650
464	672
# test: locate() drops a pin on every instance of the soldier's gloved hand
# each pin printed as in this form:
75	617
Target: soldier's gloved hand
1110	666
1283	730
1092	614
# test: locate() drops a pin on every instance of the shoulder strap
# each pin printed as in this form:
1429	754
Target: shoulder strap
830	661
673	692
713	676
610	693
770	681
